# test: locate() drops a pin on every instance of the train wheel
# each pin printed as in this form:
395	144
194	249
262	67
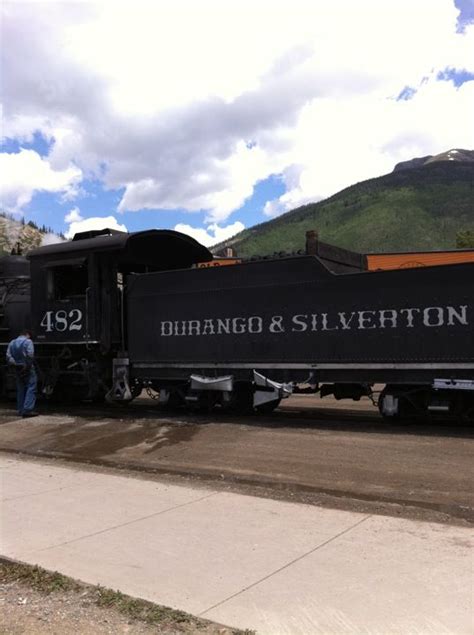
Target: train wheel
204	403
463	407
242	399
267	408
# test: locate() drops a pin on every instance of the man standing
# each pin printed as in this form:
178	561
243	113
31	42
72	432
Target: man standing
20	354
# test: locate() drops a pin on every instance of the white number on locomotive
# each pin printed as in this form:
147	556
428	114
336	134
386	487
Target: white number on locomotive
62	321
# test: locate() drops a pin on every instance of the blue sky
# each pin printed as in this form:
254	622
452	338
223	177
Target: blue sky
186	128
96	201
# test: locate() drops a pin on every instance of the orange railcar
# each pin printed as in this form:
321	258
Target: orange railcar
218	262
408	260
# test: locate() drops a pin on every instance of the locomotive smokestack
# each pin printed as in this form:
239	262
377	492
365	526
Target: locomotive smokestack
311	242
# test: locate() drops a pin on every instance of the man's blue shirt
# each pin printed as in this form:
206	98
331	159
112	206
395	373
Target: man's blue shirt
20	351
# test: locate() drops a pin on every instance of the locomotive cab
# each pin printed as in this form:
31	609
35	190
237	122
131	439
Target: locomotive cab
77	298
77	286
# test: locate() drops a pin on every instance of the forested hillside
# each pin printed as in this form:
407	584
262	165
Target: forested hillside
422	207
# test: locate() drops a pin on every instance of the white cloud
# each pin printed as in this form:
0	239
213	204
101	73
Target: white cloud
25	173
212	234
22	127
73	216
366	137
236	176
191	114
97	222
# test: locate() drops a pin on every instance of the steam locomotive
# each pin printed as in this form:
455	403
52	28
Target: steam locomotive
113	313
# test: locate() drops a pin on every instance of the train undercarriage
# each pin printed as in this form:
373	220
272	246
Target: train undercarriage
79	374
255	393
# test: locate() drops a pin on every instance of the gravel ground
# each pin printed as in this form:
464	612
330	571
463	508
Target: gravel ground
52	604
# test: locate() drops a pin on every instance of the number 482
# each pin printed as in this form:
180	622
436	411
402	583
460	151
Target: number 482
62	321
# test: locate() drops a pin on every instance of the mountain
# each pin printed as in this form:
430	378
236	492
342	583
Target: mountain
422	205
27	236
451	155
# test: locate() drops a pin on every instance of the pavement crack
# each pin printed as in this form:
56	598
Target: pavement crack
130	522
288	564
45	491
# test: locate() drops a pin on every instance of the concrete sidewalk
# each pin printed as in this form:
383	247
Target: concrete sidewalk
247	562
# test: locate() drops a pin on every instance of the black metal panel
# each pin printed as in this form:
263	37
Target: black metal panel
295	311
60	311
93	233
161	249
14	267
341	260
87	307
15	312
14	296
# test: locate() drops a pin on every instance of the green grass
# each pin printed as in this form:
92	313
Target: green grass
48	582
139	609
37	578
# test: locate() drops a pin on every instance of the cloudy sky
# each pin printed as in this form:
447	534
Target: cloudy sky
209	116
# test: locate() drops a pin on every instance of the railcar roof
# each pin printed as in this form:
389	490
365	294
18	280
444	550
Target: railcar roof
150	245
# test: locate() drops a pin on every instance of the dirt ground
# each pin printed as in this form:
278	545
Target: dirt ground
326	454
56	605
